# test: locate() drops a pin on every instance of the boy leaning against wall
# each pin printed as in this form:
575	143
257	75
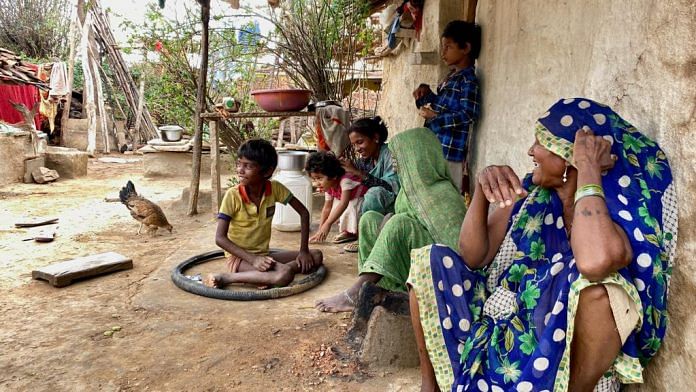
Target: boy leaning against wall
452	111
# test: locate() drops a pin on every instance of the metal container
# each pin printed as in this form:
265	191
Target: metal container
171	133
291	160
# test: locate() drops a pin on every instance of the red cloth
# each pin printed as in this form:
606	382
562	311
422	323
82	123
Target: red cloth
24	94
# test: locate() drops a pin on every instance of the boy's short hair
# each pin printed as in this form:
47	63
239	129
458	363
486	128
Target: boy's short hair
261	152
325	163
462	32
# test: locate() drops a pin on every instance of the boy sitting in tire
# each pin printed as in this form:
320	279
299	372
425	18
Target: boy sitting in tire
244	225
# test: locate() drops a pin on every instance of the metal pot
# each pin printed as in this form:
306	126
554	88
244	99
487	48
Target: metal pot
171	133
291	160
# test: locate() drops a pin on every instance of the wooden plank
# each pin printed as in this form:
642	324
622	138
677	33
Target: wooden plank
64	273
37	222
215	166
217	116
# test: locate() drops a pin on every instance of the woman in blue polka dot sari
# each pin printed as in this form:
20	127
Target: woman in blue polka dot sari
564	285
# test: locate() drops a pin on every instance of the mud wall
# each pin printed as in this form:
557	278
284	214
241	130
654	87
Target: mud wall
418	61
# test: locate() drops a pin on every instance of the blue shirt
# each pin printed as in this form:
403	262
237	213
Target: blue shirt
457	104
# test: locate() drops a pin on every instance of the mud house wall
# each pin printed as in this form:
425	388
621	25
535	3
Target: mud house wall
402	76
640	58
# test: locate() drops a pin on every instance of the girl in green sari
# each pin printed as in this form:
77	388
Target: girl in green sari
428	209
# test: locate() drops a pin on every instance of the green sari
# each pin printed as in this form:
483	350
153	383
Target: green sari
428	209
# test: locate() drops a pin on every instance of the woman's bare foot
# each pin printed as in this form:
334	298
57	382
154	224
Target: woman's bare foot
213	280
341	302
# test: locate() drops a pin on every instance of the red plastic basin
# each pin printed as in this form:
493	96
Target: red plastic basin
282	100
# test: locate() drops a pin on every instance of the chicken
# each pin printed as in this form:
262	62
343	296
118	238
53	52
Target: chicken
143	210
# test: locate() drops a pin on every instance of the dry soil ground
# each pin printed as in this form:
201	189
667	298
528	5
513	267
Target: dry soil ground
169	340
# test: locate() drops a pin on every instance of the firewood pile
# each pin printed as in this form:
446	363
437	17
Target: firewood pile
14	71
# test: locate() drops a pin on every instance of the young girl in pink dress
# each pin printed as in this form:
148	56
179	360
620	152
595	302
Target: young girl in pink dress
343	197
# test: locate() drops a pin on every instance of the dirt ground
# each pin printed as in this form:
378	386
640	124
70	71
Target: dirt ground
166	339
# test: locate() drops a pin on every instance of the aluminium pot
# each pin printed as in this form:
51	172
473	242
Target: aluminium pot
171	133
291	160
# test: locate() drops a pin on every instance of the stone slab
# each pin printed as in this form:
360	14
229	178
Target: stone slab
179	164
64	273
30	165
68	162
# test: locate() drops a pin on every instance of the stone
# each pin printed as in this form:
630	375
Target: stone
14	149
179	164
30	165
75	135
389	341
43	175
68	162
204	200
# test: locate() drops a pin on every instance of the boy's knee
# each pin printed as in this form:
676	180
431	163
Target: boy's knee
283	277
317	256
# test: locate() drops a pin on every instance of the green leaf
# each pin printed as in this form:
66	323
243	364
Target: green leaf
530	295
633	159
528	341
509	340
652	238
517	324
653	168
537	250
632	144
516	272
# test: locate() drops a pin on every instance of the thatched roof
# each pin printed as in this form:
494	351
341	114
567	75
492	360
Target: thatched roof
14	71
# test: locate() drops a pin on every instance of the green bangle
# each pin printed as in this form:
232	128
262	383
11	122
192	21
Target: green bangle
589	190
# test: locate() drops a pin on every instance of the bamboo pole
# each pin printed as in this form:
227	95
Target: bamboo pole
65	116
138	114
123	76
200	108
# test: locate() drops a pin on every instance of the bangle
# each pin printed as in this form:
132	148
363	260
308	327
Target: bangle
589	190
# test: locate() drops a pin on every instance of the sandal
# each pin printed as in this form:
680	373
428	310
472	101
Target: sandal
352	247
344	237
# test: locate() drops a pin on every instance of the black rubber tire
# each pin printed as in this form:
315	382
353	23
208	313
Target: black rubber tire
186	284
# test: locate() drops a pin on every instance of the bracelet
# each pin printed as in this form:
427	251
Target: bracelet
589	190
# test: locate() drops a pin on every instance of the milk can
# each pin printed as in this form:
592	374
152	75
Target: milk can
291	174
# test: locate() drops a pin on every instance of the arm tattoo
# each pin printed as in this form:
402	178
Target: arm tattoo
586	212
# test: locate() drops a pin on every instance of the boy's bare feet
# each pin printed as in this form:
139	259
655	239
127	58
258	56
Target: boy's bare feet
213	280
341	302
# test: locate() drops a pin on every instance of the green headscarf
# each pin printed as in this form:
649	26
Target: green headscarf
427	184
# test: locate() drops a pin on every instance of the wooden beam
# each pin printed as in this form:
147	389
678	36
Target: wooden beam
216	191
200	108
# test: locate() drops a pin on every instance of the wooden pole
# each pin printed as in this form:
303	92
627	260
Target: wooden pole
65	116
138	114
216	191
200	108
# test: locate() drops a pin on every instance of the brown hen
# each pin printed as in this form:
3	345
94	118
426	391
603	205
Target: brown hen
143	210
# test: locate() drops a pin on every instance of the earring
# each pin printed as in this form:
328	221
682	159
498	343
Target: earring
565	175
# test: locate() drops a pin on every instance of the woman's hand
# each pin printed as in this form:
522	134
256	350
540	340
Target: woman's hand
347	164
592	152
500	185
320	235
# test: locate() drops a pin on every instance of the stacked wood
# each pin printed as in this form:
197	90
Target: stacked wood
118	65
14	71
